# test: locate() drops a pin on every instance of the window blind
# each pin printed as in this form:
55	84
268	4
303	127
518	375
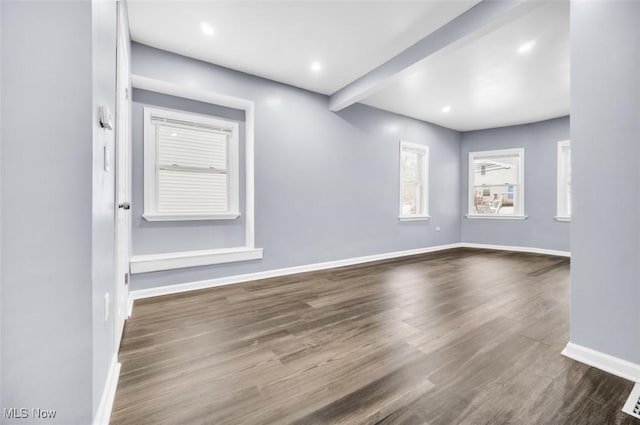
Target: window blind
192	169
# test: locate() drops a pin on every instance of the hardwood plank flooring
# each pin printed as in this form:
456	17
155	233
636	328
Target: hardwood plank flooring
461	336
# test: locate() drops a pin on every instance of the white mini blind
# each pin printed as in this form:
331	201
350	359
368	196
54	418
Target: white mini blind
192	147
192	169
192	192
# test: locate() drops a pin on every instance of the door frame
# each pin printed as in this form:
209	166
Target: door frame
122	216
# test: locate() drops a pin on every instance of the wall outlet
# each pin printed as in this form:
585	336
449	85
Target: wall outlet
107	306
106	158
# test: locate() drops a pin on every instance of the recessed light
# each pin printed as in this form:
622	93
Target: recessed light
206	28
527	46
446	109
316	66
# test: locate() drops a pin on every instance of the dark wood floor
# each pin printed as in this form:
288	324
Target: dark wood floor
457	337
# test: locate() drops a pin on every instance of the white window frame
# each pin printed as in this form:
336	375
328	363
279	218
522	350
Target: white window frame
561	200
216	256
517	214
425	182
151	212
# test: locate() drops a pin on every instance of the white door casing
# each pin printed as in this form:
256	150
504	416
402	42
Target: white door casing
123	175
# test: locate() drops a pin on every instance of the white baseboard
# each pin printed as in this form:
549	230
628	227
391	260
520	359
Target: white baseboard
129	306
602	361
103	414
230	280
517	249
203	284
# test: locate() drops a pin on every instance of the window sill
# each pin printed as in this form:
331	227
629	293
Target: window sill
565	219
180	260
496	217
414	217
189	217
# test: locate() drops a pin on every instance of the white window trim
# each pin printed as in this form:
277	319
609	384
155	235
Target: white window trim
150	170
246	105
519	215
414	217
180	260
425	184
560	198
496	217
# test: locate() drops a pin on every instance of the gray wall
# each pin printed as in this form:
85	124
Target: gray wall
46	209
104	15
1	49
171	236
56	220
540	143
321	178
605	131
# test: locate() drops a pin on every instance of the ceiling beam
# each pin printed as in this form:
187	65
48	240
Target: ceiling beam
479	16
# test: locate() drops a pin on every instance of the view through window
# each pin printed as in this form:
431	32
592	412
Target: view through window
496	183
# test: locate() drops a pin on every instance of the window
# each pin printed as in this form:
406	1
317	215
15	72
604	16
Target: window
190	167
414	182
564	181
496	184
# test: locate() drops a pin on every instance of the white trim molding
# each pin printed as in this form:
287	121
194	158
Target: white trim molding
172	89
179	260
103	413
563	219
230	280
414	218
495	217
606	362
531	250
188	217
129	307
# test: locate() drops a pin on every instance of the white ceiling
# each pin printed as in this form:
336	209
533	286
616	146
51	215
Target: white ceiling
483	78
486	81
280	39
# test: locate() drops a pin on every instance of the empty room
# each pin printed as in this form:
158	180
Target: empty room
344	212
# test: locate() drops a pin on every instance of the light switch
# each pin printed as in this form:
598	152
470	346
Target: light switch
106	120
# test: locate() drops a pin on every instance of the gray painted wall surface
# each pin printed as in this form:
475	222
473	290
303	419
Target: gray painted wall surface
322	178
1	49
540	143
46	215
605	130
104	15
172	236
